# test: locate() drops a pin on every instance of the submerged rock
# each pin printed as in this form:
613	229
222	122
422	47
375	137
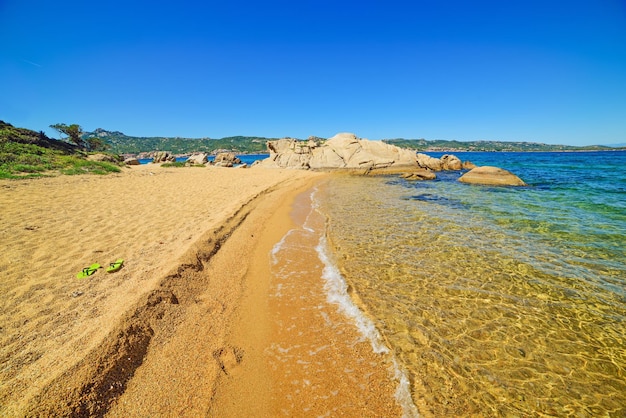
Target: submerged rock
420	174
493	176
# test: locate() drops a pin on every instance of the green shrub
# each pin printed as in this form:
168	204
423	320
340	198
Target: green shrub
7	158
73	165
4	174
25	153
31	159
174	164
26	168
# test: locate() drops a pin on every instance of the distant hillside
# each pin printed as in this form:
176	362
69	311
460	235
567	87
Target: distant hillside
123	144
441	145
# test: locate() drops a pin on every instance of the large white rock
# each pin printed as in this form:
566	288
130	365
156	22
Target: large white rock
343	150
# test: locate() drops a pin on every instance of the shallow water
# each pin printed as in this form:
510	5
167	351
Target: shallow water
325	365
495	301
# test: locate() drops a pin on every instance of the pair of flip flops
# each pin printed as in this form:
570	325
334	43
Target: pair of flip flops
88	271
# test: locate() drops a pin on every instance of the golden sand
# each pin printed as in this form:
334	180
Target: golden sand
169	334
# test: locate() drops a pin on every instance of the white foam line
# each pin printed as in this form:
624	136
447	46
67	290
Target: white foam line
278	246
337	293
403	391
314	207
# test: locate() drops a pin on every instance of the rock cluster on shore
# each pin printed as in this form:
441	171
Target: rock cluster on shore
447	162
343	150
226	159
222	159
346	151
163	157
131	161
198	158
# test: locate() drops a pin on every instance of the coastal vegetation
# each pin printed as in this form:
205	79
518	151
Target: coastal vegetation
120	143
76	136
176	164
25	153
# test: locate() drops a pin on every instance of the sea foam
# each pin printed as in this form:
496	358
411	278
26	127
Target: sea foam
337	293
336	290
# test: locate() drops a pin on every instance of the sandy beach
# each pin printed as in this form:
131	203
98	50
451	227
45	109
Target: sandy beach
183	329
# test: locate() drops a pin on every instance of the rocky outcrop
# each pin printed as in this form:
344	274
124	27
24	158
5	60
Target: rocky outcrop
163	157
288	153
426	161
447	162
451	163
341	151
492	176
131	161
226	159
199	158
468	165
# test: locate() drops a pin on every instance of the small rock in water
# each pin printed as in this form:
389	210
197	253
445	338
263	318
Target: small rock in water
492	176
420	174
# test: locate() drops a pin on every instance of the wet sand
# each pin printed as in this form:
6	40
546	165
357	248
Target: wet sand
183	328
307	358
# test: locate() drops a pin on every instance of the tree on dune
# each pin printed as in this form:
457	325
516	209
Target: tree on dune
75	133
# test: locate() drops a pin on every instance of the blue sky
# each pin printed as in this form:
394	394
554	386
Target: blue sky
543	71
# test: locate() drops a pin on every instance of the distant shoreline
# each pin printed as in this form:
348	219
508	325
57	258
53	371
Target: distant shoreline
124	144
531	151
183	157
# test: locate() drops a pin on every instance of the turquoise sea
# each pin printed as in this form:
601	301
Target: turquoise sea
492	301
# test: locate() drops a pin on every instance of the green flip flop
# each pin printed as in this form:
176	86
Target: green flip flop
115	266
88	271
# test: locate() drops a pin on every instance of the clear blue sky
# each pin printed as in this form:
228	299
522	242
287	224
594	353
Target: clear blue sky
550	71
